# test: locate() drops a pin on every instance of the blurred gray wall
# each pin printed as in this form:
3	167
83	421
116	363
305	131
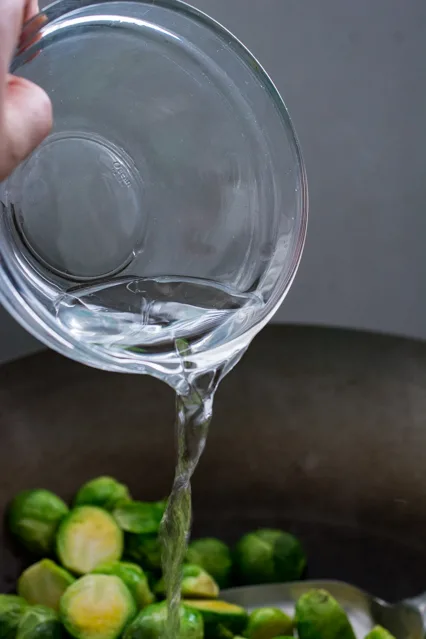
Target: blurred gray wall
354	79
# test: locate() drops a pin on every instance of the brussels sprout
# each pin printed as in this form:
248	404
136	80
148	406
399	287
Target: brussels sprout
39	622
44	583
267	623
145	550
220	632
138	517
269	556
97	607
34	517
379	632
319	616
212	555
104	492
219	615
150	623
134	578
12	609
196	583
87	537
160	507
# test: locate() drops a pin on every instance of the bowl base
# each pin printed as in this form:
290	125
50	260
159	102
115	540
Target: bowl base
77	206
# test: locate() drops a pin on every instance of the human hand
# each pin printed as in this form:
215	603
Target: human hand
25	109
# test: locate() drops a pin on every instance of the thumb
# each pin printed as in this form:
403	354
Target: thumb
27	120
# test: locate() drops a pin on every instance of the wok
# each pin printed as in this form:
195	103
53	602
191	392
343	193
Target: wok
321	432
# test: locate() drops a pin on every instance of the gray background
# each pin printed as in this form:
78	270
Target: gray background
353	77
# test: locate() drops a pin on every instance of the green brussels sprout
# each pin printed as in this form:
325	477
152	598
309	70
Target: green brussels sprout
12	609
320	616
104	492
269	556
196	583
145	550
97	607
134	578
138	517
39	622
87	537
267	623
44	583
220	632
379	632
150	623
219	615
160	507
212	555
34	517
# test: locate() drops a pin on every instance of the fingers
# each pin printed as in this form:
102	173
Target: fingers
31	9
27	119
25	109
30	34
14	13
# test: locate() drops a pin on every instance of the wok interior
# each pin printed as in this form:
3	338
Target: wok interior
318	431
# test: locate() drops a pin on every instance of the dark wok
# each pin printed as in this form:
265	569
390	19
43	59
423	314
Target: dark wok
322	432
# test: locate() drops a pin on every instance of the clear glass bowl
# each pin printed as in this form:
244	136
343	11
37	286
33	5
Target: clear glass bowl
170	199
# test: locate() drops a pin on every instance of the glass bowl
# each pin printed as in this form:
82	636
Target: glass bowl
170	200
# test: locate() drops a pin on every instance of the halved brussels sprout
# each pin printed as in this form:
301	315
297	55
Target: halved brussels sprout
212	555
269	556
44	583
379	632
150	623
97	607
134	578
219	614
320	616
34	517
145	550
221	632
104	492
39	622
87	537
267	623
12	609
138	517
196	583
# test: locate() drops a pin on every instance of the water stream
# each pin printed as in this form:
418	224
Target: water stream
142	315
193	416
194	411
